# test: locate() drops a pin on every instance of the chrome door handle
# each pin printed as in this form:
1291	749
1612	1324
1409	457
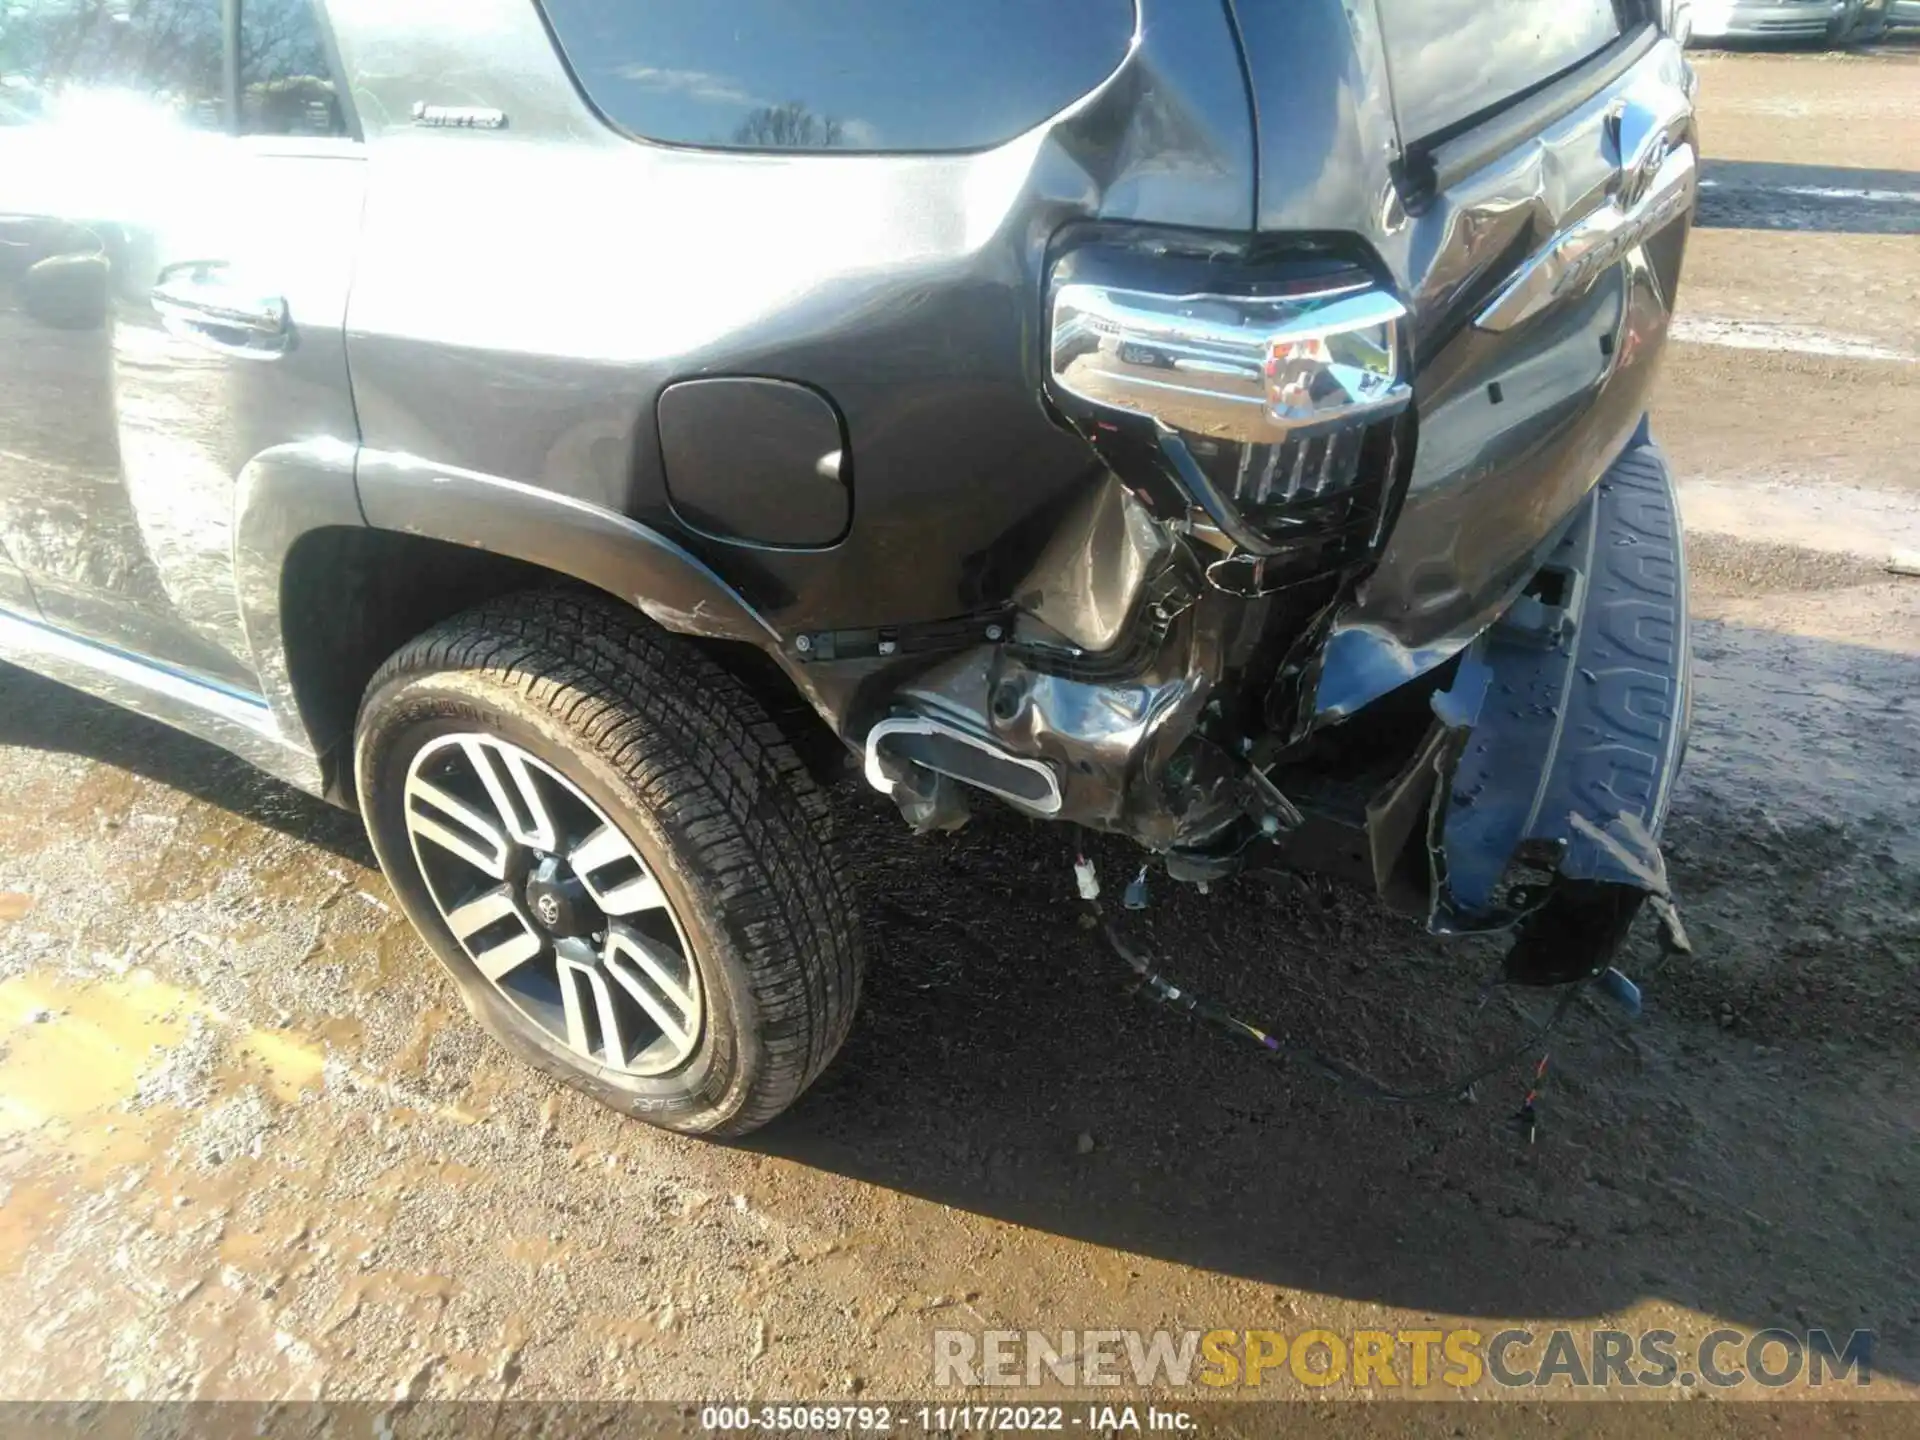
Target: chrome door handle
201	301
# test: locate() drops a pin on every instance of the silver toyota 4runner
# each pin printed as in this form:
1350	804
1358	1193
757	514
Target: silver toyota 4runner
535	422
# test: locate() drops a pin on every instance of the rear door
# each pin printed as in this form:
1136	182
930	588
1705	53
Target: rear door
16	244
16	248
189	186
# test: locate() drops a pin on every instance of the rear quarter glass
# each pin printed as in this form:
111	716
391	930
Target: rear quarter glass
903	76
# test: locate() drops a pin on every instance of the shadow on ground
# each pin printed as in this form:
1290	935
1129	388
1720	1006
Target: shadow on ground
1744	1151
41	715
1748	1150
1835	199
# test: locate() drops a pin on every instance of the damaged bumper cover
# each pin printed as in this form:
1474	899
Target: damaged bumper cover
1561	738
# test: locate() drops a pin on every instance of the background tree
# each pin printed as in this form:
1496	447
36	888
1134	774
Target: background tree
791	126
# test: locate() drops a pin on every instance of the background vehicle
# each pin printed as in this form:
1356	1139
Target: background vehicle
1864	20
540	425
1772	19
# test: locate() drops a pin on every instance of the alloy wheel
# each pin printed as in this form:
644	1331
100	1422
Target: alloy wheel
553	904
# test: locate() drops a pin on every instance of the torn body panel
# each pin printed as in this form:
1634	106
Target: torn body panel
1535	799
1119	727
1378	572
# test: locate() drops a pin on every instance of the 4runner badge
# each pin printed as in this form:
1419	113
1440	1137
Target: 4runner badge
459	117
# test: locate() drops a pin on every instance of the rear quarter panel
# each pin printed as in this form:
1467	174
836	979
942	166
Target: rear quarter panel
525	293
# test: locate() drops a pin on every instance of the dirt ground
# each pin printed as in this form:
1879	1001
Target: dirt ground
251	1147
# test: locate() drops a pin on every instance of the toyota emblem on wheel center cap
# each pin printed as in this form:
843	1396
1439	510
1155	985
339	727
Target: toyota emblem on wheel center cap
558	901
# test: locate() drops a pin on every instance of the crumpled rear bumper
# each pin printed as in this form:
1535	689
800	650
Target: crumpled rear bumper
1561	737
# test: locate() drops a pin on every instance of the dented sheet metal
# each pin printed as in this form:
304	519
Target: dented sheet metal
1570	715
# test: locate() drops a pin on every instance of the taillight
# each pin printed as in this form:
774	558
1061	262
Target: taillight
1248	392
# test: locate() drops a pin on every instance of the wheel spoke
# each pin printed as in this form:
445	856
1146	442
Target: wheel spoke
633	962
581	981
528	821
507	955
471	835
607	847
599	850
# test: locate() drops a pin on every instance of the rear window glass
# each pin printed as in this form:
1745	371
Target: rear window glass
1451	59
899	75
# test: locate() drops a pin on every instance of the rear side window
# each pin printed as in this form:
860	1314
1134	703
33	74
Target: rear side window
893	75
122	59
286	78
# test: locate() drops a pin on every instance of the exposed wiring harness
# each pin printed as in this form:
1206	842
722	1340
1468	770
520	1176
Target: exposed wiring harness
1166	992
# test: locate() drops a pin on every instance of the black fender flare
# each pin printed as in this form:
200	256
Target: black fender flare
281	495
663	579
291	491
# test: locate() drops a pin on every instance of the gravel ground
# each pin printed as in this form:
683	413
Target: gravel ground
250	1145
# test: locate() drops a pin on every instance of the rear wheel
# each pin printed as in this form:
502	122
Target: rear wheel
619	859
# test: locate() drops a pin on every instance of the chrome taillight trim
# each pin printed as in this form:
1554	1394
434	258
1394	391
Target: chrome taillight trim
1255	369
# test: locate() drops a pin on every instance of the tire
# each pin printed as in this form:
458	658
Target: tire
727	933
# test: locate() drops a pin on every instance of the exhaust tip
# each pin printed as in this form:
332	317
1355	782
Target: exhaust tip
972	760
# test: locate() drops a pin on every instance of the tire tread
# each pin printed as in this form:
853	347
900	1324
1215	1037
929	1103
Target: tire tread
716	773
